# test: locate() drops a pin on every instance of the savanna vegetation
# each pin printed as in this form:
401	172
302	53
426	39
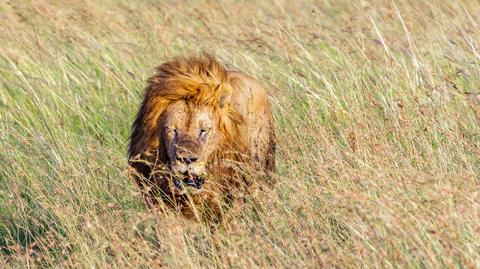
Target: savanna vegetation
377	111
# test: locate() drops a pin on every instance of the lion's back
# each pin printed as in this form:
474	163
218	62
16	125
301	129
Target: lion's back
251	100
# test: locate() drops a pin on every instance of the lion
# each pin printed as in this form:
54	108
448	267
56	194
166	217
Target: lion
198	129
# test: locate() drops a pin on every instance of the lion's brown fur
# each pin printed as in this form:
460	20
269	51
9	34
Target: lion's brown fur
201	81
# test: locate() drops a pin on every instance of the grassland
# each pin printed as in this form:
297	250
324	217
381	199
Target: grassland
377	109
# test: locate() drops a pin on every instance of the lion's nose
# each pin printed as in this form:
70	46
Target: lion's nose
187	160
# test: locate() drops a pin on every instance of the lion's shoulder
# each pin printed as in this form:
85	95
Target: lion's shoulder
249	96
243	82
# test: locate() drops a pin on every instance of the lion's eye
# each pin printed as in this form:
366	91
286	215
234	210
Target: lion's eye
204	131
171	129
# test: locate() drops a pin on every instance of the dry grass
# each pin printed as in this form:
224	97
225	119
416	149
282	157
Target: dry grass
377	108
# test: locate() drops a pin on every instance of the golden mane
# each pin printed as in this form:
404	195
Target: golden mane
200	80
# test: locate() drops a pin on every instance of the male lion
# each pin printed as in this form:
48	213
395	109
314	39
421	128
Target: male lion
198	128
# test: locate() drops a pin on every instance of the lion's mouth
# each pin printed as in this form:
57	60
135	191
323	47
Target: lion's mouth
188	183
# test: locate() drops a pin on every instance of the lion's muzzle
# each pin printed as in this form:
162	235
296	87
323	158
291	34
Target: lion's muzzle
188	172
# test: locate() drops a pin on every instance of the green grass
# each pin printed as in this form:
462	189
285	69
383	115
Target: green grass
377	111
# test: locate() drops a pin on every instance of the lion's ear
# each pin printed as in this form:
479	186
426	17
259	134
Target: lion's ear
225	94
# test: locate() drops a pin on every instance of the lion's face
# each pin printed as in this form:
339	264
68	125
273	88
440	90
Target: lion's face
189	134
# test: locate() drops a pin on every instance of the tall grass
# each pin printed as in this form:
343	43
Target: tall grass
377	111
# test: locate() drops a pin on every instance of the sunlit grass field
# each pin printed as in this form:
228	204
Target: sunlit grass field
377	112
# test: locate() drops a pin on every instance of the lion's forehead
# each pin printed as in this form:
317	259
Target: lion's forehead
176	110
203	117
182	112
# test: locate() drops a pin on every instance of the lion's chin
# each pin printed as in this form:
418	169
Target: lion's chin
187	191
